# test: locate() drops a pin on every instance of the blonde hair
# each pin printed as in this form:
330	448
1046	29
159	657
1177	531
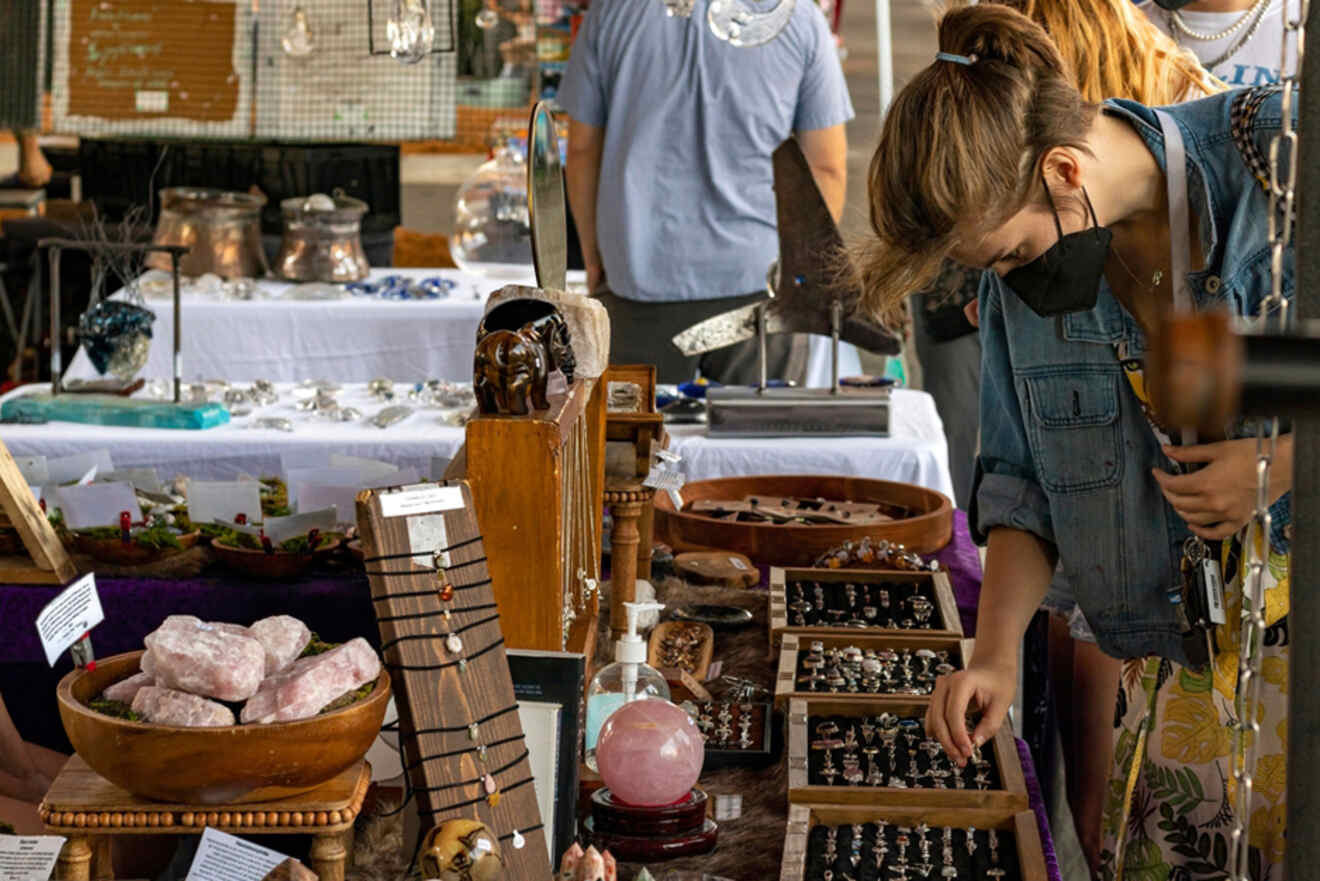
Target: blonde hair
963	141
1114	51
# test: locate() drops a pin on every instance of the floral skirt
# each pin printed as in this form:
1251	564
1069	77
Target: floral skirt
1169	810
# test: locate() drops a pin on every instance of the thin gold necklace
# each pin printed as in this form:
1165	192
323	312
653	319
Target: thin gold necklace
1155	279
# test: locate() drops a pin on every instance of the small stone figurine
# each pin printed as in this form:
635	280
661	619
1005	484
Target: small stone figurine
588	865
461	850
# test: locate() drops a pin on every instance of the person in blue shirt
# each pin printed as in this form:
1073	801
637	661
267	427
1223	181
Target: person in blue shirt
1093	221
672	127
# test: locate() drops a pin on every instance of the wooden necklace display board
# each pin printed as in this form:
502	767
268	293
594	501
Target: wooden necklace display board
442	641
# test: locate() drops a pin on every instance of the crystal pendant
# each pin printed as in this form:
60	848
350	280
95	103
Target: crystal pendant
738	22
297	40
489	783
487	19
453	643
117	337
518	841
410	31
473	731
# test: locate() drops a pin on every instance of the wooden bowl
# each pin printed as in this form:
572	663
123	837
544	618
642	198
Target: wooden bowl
235	764
261	566
928	530
705	649
118	553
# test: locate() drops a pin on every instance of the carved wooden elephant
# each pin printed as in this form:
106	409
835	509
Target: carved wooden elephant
509	367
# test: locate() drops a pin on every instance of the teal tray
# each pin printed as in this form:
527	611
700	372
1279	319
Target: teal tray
112	410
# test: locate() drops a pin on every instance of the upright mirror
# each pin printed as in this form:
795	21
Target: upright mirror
545	198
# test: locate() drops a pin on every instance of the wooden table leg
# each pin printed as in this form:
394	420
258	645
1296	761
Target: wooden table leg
328	857
75	860
624	538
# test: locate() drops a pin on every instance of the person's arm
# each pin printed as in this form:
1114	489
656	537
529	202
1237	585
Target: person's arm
585	143
826	151
1018	569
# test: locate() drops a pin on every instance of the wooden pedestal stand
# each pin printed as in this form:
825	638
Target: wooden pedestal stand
86	808
47	561
626	499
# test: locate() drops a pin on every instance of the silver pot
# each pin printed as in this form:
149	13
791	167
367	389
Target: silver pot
222	229
321	242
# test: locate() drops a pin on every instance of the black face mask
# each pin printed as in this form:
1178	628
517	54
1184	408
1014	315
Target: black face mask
1172	4
1066	278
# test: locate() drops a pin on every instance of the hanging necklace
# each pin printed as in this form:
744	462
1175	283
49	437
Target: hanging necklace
1259	11
1180	24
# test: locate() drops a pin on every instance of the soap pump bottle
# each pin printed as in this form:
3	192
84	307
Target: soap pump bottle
629	678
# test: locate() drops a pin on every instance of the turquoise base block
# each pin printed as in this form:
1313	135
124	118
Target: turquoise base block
113	410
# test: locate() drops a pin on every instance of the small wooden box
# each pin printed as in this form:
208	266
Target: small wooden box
786	679
1011	796
1020	824
938	583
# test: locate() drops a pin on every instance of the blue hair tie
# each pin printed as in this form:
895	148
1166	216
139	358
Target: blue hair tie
966	60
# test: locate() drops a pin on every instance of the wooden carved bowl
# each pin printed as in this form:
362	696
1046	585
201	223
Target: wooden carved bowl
235	764
277	566
928	529
116	552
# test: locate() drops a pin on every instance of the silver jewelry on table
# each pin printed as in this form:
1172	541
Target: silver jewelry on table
391	416
278	423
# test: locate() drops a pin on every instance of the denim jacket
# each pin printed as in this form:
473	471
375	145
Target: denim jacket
1066	449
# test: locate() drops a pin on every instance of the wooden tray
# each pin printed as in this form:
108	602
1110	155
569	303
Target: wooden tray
258	565
115	551
704	653
786	678
1021	824
1011	796
940	587
928	530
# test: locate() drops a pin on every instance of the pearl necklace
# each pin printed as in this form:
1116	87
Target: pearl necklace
1176	18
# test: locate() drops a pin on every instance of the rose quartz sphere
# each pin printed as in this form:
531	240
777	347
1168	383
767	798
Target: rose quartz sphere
649	753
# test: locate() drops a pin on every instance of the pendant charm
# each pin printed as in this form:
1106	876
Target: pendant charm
489	783
453	643
462	665
473	731
518	841
446	591
493	799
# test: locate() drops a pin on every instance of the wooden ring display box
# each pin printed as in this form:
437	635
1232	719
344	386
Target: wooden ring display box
959	650
1011	796
1021	825
935	585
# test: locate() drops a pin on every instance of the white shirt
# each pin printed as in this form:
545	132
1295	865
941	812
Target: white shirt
1256	62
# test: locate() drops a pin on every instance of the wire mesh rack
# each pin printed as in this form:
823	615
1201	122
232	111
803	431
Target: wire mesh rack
282	70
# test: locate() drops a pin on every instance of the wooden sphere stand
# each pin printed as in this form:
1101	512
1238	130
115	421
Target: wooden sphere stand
630	505
84	807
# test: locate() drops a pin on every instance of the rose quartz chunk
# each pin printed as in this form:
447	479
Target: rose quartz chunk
147	664
283	637
126	689
190	655
165	706
304	689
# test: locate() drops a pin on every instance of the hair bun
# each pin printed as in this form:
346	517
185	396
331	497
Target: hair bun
996	32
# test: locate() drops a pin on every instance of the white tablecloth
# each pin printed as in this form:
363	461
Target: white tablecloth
914	453
355	339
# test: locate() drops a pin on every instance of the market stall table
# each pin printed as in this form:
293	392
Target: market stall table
357	338
915	451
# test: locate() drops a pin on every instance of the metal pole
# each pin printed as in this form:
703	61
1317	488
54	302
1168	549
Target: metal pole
1303	852
836	323
760	344
884	54
178	331
56	357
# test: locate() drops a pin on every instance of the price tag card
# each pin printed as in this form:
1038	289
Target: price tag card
96	504
70	468
370	468
212	500
33	469
421	498
143	479
28	858
224	857
663	478
66	618
281	529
